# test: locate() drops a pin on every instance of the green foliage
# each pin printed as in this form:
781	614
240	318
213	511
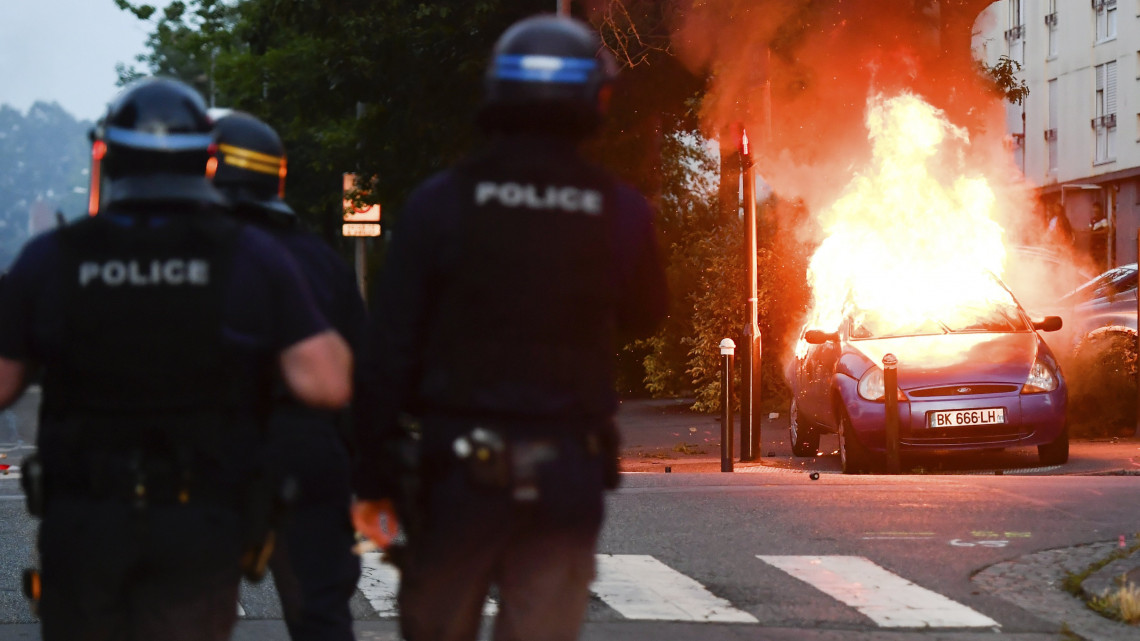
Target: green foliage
1102	385
1004	80
707	278
43	168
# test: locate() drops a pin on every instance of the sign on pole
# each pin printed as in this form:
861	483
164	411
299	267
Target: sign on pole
360	221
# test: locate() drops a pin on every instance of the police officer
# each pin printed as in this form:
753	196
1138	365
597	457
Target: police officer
159	324
313	565
510	282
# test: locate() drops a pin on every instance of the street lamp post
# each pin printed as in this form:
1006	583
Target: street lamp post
750	356
562	7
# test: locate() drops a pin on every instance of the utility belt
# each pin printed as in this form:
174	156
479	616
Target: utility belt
139	479
265	500
492	458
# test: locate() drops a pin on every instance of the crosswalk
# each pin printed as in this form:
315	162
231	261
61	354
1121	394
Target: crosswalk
640	587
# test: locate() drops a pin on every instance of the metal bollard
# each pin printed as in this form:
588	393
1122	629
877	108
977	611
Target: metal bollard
891	399
727	349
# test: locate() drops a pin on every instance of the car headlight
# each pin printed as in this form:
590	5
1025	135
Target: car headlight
872	387
1041	379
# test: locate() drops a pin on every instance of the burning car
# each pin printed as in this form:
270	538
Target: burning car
975	376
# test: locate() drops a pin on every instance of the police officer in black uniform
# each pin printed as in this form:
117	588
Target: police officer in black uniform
510	282
159	324
313	564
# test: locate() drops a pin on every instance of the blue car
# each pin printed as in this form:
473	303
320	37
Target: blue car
983	379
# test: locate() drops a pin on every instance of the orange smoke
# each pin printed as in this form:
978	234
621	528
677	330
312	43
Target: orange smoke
800	71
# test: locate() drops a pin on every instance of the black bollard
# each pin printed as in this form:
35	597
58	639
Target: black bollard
891	399
727	349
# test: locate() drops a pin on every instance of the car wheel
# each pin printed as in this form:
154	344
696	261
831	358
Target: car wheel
1056	452
853	457
805	440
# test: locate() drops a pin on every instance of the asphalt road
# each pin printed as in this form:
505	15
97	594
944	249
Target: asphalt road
908	557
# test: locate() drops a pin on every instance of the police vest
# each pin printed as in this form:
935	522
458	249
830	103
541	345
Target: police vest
525	323
142	331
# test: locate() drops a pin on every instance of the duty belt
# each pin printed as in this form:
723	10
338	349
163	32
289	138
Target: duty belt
493	461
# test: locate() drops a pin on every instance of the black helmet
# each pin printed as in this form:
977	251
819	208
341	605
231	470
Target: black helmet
153	145
248	166
546	73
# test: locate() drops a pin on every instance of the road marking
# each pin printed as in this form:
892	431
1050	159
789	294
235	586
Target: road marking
887	599
241	610
379	582
639	586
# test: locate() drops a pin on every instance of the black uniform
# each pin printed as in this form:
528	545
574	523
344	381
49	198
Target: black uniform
158	328
510	280
313	564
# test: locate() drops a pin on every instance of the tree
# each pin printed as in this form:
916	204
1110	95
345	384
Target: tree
43	170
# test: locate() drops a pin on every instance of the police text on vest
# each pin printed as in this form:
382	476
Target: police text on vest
135	273
515	195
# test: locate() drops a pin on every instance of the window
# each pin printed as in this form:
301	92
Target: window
1051	28
1105	19
1104	124
1051	132
1015	35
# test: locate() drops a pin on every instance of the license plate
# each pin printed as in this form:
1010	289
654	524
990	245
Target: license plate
961	418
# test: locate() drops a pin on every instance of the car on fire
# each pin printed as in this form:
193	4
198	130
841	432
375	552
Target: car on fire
981	379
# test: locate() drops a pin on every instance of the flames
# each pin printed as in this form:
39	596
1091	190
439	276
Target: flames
912	239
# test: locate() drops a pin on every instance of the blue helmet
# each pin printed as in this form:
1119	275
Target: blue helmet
547	73
153	146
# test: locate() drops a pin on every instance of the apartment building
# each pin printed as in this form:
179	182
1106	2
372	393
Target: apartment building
1078	134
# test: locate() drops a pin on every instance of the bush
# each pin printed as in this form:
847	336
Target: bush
1102	385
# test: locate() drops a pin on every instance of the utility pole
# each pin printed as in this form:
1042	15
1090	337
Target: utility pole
750	355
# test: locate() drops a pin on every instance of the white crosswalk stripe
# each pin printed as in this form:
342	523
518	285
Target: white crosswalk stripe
379	581
887	599
640	587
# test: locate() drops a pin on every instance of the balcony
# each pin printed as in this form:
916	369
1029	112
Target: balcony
1107	121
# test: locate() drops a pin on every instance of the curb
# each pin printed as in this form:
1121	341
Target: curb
1036	583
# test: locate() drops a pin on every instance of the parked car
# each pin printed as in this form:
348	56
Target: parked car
1098	348
983	380
1105	304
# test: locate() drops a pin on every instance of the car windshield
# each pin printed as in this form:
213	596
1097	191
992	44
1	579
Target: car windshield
1000	313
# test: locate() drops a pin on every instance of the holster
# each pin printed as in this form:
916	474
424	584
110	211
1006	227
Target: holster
32	481
270	500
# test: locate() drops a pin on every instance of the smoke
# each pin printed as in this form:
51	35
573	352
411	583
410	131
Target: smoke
800	72
800	76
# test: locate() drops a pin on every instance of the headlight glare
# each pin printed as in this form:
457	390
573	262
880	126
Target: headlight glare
871	385
1041	379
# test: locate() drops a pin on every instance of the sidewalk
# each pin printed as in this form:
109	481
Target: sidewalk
664	433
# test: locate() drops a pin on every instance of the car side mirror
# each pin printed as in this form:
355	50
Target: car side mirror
1048	324
819	337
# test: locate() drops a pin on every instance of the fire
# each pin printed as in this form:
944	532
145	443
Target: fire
912	238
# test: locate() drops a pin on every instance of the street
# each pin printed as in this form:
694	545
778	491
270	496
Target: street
772	554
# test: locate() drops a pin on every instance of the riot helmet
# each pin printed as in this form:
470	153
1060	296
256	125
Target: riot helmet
152	146
547	73
248	166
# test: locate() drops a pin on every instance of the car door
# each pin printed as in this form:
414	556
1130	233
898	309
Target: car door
817	373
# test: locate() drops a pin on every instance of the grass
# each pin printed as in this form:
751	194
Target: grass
1121	603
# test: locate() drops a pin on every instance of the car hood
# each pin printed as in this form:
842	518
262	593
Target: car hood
948	359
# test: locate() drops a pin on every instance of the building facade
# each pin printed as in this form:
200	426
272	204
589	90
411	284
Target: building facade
1077	135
